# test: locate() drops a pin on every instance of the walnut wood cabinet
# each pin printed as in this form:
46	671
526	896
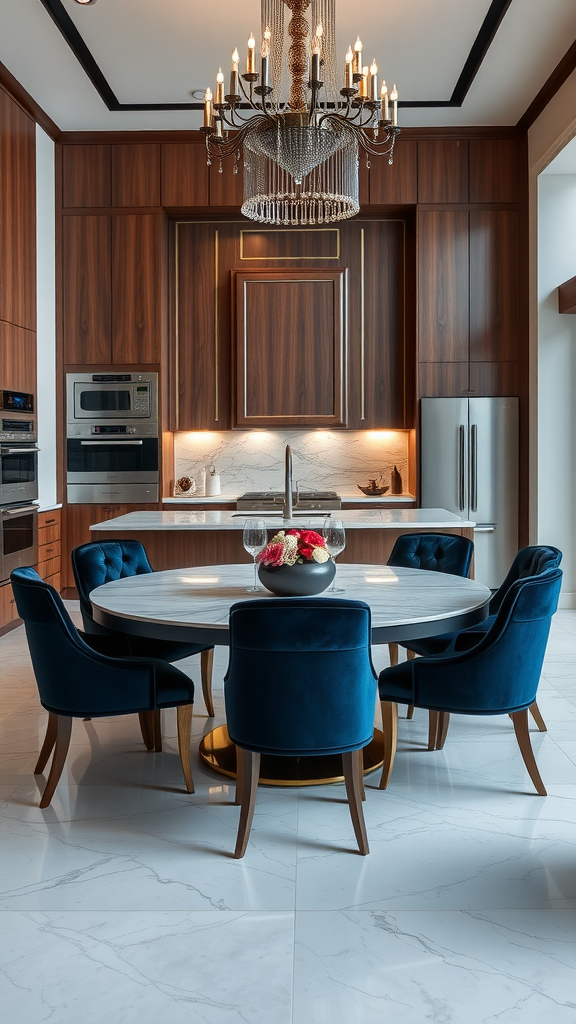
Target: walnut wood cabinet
17	215
113	288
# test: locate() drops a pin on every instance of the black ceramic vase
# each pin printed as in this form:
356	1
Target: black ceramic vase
300	580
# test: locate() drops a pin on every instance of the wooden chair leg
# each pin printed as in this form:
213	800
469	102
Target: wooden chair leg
352	764
239	778
146	719
390	731
443	723
206	663
184	724
251	771
48	745
63	732
410	709
537	716
433	721
520	719
157	730
393	653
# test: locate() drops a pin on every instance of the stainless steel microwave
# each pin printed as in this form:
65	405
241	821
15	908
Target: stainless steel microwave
112	397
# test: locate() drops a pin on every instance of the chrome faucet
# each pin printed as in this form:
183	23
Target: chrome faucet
287	511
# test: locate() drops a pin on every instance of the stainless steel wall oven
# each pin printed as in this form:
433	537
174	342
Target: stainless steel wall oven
18	538
18	448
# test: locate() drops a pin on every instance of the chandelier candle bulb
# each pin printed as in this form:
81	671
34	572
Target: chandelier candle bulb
349	72
234	73
357	66
219	87
363	89
374	81
384	101
208	108
316	64
394	98
251	60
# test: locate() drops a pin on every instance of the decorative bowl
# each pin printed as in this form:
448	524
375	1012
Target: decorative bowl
373	492
300	580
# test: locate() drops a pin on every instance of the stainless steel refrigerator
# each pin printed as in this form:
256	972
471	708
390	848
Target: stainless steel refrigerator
469	465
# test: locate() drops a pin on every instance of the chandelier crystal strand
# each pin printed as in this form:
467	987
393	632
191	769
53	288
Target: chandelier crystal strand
300	144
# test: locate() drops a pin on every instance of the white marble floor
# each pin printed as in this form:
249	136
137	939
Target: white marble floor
121	901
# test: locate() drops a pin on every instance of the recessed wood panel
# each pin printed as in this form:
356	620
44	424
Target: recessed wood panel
17	358
494	285
196	349
17	215
136	175
395	184
494	170
443	286
290	348
494	380
86	176
290	244
137	289
443	171
184	174
442	380
226	187
86	289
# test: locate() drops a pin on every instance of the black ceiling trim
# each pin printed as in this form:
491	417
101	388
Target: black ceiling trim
66	26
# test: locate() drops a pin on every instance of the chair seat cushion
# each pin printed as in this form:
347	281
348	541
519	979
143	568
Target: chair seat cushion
397	683
173	687
167	650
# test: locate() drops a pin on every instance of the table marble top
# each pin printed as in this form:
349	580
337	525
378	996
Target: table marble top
194	603
353	519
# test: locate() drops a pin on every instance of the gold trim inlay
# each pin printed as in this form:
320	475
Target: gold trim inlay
292	231
362	331
177	329
216	328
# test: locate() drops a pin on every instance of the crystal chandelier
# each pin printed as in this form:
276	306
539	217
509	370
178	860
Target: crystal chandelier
300	142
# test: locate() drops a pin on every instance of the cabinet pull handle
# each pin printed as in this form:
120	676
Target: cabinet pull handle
461	460
474	467
48	522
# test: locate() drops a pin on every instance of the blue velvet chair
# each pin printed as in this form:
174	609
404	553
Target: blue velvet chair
499	675
300	682
436	552
76	681
99	562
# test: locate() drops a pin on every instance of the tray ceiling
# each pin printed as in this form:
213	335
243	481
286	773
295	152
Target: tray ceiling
456	62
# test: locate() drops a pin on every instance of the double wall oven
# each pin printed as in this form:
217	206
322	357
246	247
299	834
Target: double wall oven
112	442
18	482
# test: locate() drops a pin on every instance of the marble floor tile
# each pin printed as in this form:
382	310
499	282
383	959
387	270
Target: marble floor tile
210	967
510	967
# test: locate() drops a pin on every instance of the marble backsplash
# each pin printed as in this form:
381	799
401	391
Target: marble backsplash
249	460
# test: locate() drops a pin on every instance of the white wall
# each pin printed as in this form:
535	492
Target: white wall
557	374
46	312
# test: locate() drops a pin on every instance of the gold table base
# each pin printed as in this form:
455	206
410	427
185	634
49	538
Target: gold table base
217	750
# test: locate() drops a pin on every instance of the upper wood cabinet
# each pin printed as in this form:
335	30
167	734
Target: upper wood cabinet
396	184
17	357
494	285
113	288
184	174
87	288
443	171
291	348
17	215
443	285
86	176
495	170
136	175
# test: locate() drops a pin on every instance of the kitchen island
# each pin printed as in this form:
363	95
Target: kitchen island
176	539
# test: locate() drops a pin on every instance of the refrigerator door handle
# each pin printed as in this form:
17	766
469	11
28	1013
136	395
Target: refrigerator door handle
484	529
461	466
474	467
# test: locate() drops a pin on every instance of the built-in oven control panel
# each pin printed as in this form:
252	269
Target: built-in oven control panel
17	419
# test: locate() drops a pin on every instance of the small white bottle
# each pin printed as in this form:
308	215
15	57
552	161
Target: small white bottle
201	482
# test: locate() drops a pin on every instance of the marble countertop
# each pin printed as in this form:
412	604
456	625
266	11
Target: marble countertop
346	496
353	519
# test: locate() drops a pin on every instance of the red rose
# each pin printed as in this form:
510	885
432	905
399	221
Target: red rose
293	533
272	554
311	537
306	552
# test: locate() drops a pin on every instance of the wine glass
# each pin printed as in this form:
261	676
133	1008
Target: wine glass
335	541
254	539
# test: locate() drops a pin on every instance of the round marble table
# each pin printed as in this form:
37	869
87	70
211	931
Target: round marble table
193	604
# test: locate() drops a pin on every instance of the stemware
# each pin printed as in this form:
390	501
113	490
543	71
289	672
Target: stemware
335	541
254	539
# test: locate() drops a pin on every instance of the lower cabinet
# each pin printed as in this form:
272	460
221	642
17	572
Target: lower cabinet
49	550
79	519
8	612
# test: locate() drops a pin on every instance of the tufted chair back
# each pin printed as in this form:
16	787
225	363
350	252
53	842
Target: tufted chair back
300	678
100	562
437	552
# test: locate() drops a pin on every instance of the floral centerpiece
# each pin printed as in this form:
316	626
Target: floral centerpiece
295	563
